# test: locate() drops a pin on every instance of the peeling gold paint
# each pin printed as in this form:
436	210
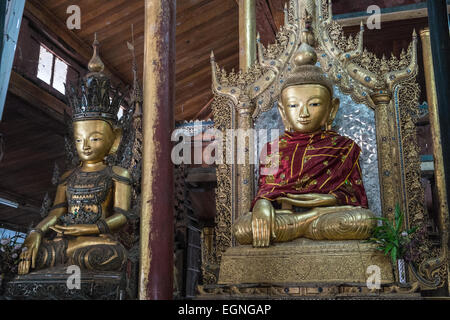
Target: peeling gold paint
153	16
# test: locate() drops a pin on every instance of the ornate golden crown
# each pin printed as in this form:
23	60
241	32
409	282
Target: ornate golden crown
94	97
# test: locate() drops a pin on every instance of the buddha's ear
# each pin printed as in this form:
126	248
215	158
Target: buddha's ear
333	111
117	140
287	127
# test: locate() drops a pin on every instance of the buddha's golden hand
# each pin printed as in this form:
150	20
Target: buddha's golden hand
308	200
263	223
29	253
76	229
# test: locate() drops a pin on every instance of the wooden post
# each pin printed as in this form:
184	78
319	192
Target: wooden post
440	48
247	56
11	18
156	252
440	94
247	34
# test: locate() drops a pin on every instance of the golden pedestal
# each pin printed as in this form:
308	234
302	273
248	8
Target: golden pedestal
305	262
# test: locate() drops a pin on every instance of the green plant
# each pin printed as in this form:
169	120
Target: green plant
10	249
390	237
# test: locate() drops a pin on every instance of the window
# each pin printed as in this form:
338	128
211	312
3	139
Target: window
52	70
15	236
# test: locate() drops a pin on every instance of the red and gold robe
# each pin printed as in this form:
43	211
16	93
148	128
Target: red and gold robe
324	162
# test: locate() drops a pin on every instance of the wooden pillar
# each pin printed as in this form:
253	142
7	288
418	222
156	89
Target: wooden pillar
156	252
247	56
436	49
247	34
436	136
10	20
440	48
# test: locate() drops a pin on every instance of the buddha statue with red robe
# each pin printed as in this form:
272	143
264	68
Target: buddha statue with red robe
310	179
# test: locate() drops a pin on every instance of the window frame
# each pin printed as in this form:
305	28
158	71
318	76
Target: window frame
52	76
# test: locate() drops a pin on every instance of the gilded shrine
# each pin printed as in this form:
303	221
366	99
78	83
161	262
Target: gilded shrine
304	224
224	149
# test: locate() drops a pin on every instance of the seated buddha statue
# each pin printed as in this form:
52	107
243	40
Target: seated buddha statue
92	201
310	180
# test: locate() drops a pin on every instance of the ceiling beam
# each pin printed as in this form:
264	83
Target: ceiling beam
265	22
23	202
397	13
37	97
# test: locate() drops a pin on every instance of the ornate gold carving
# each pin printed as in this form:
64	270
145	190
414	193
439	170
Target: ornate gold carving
220	238
387	85
304	261
293	291
432	269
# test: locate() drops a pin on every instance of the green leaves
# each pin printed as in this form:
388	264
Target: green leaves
388	237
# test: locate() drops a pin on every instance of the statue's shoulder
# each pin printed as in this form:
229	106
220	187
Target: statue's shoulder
121	174
65	176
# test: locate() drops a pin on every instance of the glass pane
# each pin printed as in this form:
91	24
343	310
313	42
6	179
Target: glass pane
45	65
60	76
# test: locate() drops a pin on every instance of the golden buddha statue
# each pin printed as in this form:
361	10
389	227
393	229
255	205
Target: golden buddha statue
93	200
310	182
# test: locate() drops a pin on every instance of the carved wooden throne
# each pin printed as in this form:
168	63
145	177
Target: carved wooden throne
379	109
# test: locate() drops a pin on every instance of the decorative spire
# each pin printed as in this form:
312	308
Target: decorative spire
305	55
96	64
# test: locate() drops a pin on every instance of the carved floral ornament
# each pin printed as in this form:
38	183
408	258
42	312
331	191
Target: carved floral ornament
355	70
388	86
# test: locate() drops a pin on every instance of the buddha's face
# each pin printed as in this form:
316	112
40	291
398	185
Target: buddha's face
307	108
94	139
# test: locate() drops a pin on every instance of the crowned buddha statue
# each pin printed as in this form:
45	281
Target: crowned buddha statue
310	182
93	200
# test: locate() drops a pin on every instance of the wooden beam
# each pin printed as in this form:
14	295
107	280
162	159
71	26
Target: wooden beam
66	39
266	20
23	202
387	14
207	106
37	97
277	10
210	11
